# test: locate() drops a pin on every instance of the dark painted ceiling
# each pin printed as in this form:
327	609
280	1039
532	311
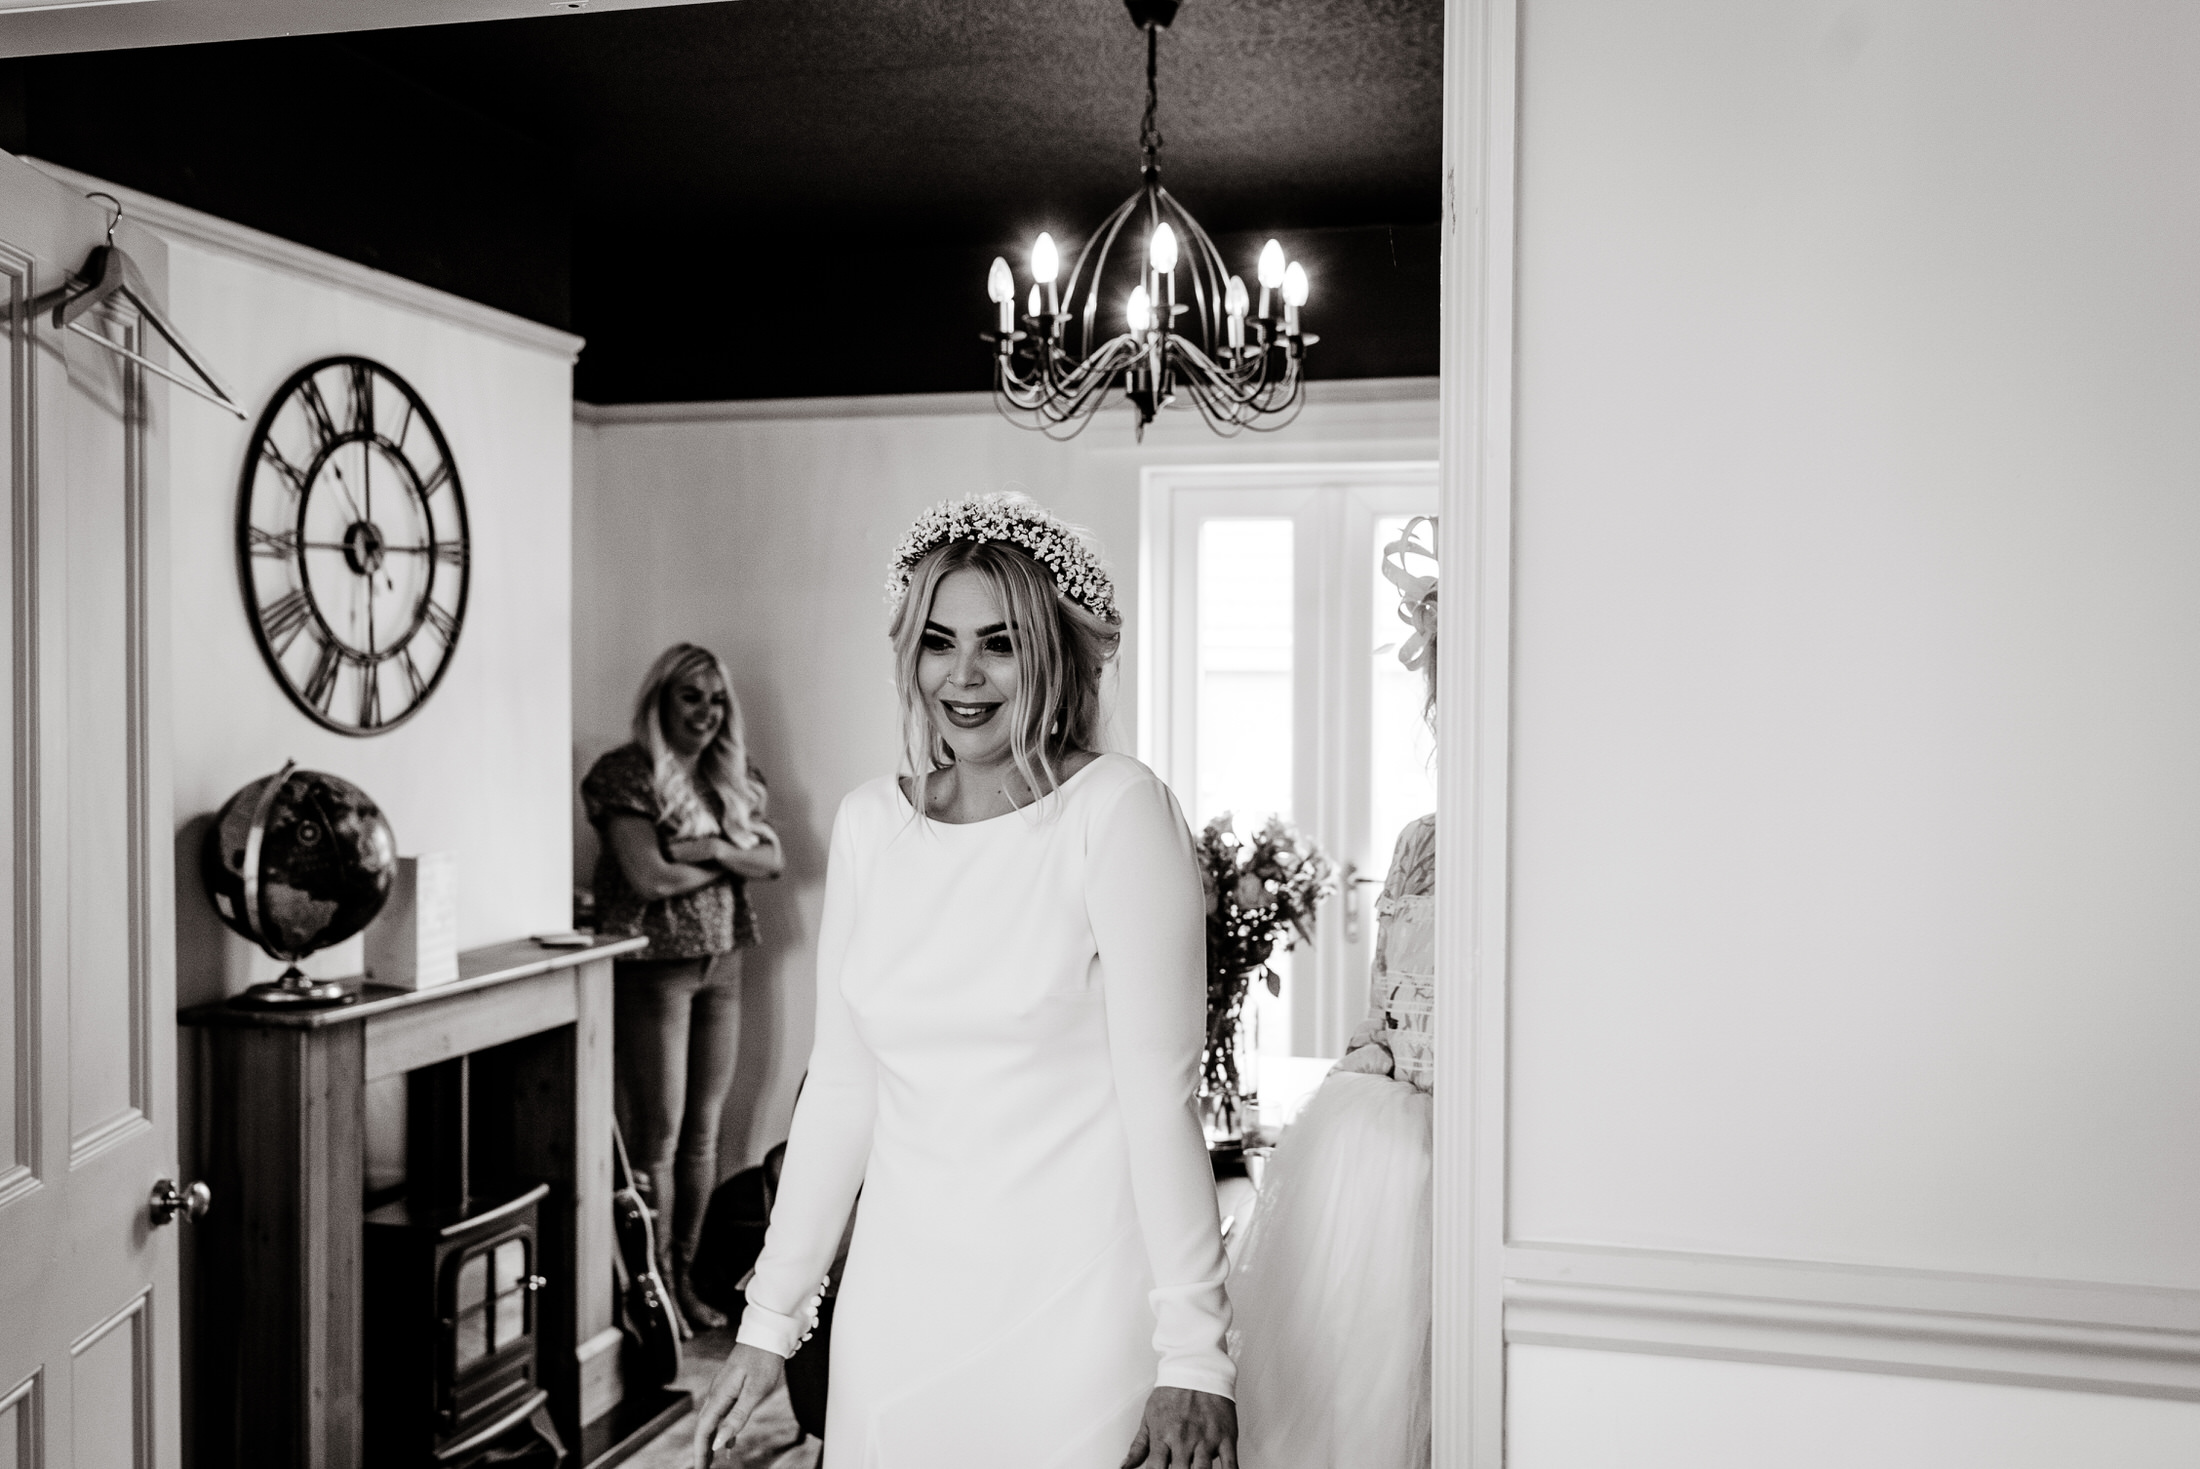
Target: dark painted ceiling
784	197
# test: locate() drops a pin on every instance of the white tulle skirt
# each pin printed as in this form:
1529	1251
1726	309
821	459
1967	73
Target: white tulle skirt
1331	1289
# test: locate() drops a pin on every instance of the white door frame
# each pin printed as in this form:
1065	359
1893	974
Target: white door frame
1474	495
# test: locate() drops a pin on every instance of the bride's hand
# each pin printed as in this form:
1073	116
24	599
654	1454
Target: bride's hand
1185	1429
748	1377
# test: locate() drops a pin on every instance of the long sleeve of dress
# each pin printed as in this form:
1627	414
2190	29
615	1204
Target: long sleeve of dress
1144	903
830	1141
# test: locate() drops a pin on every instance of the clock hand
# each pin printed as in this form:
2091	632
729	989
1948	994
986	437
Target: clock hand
345	485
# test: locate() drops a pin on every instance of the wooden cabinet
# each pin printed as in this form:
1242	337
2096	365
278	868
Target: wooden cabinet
276	1335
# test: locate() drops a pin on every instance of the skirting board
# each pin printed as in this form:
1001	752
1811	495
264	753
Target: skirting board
602	1385
2070	1335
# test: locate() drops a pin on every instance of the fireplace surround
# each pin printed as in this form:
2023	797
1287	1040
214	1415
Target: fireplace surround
519	1047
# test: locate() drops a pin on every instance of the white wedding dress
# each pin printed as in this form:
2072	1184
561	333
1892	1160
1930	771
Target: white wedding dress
1332	1282
1009	1020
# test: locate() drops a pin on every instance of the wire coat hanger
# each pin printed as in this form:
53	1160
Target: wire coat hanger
109	272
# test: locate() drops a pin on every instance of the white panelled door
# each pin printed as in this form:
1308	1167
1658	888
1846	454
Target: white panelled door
88	1329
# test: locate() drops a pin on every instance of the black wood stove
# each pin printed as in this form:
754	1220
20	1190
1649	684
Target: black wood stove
450	1309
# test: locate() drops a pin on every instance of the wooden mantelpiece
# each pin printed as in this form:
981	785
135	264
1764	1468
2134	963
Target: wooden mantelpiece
275	1367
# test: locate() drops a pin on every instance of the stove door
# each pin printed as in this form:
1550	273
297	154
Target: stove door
489	1357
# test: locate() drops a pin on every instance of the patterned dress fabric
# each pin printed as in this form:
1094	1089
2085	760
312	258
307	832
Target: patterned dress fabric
1009	1019
1402	988
714	919
1331	1290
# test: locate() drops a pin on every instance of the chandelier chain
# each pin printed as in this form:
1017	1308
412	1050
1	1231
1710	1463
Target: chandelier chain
1149	131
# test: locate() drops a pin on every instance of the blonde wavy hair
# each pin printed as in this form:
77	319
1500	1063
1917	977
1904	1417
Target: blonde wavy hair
723	765
1062	657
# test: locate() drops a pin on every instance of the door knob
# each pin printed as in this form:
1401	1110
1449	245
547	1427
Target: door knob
191	1202
1351	882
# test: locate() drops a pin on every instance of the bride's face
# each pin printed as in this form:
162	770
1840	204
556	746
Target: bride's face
966	669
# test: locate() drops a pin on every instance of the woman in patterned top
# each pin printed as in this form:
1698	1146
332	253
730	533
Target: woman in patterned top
681	815
1332	1284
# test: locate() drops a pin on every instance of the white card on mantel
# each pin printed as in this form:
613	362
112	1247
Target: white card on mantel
413	943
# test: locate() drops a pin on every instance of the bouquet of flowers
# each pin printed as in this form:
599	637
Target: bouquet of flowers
1261	892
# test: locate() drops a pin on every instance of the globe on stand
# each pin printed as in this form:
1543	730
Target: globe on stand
297	861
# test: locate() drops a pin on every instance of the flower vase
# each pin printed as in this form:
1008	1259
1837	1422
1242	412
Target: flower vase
1229	1102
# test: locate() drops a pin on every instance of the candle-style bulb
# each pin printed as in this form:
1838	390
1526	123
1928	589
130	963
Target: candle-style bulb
1046	261
1234	298
999	283
1139	311
1033	307
1271	264
1162	252
1294	285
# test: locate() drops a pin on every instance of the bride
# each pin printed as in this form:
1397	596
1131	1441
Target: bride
1010	1003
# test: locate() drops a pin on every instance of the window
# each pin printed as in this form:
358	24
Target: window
1242	711
1269	682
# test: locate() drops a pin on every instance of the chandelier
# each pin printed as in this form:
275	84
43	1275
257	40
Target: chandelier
1188	326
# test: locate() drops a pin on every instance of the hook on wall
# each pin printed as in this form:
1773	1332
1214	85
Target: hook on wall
111	199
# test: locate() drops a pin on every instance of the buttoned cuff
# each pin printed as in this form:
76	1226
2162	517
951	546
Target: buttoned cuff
780	1335
777	1334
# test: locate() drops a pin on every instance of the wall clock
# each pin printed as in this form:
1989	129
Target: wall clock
352	545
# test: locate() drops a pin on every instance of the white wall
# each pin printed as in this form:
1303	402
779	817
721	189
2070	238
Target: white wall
764	530
1856	680
483	769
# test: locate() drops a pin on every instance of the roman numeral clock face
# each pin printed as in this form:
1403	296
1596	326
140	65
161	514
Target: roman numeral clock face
352	545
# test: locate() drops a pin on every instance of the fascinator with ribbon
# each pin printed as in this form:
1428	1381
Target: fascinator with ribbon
1416	593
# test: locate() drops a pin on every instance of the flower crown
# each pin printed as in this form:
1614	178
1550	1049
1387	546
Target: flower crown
1416	594
1065	551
